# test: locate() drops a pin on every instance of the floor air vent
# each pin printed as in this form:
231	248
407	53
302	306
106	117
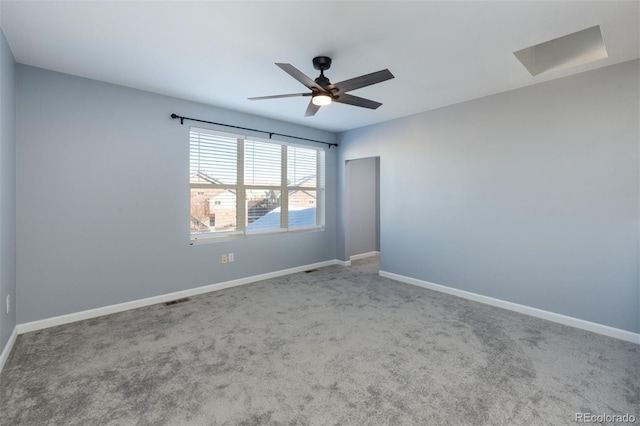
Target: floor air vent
175	302
311	270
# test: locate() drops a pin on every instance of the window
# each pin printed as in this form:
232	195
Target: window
243	186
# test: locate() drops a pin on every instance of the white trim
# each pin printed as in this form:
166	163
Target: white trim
134	304
343	262
527	310
364	255
8	347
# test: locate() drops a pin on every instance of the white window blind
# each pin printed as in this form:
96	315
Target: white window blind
245	186
262	163
214	158
305	171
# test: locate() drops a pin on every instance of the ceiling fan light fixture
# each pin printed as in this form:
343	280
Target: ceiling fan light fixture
321	100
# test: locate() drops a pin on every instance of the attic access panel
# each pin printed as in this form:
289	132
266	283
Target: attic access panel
564	52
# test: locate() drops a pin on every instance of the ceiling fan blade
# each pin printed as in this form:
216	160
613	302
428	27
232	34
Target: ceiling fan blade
362	81
311	109
298	75
290	95
357	101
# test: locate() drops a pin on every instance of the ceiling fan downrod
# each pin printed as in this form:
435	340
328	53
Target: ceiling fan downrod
322	63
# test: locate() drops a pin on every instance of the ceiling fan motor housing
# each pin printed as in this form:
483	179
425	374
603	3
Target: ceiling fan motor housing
323	81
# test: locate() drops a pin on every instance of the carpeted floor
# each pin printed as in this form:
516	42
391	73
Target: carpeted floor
337	346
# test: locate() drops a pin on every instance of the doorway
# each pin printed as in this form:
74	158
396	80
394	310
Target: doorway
363	207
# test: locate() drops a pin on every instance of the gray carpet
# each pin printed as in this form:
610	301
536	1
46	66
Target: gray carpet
338	346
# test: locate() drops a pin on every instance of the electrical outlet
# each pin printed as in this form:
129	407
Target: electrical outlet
223	259
8	303
231	257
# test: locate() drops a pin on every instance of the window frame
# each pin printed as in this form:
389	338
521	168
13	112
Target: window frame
241	188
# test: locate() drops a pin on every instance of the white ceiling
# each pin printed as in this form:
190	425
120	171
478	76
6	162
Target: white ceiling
222	52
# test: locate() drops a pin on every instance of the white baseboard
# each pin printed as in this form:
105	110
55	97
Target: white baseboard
8	347
106	310
523	309
364	255
111	309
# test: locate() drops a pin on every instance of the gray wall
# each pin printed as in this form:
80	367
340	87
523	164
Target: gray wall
103	198
361	181
7	191
529	196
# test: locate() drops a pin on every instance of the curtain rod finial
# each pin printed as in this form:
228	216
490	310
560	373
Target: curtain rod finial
174	116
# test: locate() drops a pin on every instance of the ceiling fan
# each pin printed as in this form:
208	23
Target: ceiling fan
323	92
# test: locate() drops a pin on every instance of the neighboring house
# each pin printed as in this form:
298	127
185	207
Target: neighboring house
222	211
212	209
302	199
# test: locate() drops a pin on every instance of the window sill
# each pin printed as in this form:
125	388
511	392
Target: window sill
228	236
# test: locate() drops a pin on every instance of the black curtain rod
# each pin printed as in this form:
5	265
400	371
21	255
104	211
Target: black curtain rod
174	116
